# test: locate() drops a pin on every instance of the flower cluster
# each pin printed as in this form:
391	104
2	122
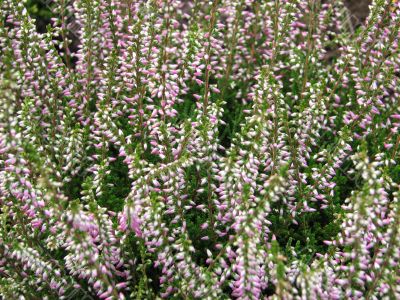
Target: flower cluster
222	149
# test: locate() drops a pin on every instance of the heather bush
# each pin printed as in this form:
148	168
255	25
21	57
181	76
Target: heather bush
219	149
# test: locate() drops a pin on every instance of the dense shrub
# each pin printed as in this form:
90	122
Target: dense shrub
191	149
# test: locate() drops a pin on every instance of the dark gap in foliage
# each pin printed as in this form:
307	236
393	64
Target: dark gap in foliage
118	184
270	290
73	188
134	246
232	116
195	217
313	229
41	13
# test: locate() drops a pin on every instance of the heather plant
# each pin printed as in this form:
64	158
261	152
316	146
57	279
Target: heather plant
218	149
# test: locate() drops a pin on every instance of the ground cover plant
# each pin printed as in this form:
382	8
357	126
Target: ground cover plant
219	149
